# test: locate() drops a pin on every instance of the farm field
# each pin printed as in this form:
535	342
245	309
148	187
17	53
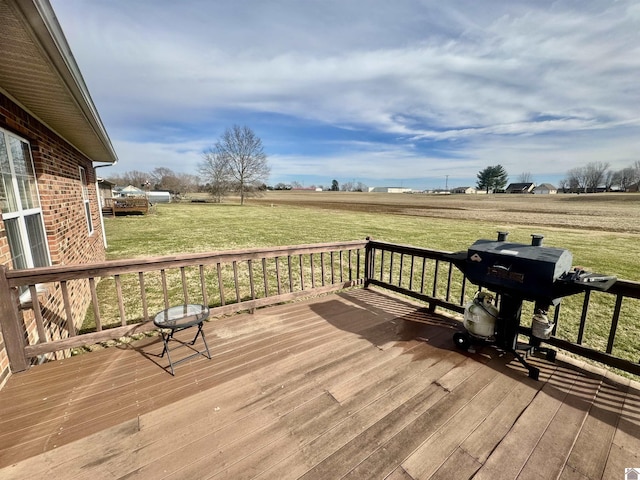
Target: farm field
604	212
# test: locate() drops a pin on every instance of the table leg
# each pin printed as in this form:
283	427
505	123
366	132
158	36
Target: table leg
167	337
204	340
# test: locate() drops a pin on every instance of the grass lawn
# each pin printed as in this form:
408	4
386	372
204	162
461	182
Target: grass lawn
602	232
269	221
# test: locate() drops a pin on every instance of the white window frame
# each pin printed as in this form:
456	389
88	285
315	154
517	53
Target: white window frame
85	199
21	214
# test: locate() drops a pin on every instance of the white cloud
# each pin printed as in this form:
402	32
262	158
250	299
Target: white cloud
522	83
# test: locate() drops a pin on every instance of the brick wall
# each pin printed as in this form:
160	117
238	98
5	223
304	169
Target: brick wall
58	175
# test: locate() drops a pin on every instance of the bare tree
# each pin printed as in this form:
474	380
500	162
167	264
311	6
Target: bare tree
188	182
134	177
166	179
564	185
215	170
636	170
624	178
240	149
595	173
577	179
346	187
609	180
525	177
361	187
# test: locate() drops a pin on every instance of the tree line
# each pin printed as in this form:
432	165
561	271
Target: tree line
160	178
597	176
589	178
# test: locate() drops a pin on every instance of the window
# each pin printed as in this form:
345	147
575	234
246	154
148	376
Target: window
85	199
20	204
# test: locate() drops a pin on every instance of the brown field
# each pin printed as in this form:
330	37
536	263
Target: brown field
612	212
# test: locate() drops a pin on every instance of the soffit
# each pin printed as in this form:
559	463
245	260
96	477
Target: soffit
38	71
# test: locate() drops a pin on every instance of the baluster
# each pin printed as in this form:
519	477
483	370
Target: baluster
220	284
583	316
96	306
203	286
185	292
123	318
265	277
143	297
71	328
235	281
278	280
35	301
313	279
165	292
614	323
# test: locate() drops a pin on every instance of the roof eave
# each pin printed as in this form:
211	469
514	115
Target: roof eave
44	26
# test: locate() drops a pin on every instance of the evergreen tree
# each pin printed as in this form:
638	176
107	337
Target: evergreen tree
492	178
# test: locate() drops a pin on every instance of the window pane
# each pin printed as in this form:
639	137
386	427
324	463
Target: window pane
15	243
37	240
83	180
23	169
7	195
28	192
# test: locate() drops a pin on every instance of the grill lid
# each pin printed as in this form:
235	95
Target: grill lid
531	272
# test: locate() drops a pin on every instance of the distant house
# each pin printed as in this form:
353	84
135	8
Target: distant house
545	189
51	143
520	188
465	190
105	189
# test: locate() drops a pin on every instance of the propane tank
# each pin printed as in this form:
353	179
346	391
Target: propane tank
480	316
541	327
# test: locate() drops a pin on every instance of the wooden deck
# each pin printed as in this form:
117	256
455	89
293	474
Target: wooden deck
356	385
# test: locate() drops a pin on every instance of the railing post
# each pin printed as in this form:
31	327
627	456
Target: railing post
11	329
368	254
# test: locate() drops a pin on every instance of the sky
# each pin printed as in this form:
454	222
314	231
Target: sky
415	93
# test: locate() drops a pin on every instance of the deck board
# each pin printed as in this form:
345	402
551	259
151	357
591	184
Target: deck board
355	385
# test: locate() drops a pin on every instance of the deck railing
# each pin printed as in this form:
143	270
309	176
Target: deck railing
118	205
121	297
590	324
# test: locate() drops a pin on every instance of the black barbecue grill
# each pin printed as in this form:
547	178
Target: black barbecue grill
519	272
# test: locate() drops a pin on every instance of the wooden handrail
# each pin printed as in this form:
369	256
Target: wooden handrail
234	280
216	273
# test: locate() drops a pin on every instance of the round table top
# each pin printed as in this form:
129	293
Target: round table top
181	316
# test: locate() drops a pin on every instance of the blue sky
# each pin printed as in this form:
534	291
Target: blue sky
416	93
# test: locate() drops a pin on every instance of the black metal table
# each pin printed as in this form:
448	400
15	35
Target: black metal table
181	317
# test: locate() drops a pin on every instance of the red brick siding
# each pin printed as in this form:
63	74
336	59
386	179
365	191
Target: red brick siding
58	175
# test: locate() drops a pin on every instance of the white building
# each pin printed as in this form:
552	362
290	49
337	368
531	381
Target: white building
545	189
465	190
390	190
